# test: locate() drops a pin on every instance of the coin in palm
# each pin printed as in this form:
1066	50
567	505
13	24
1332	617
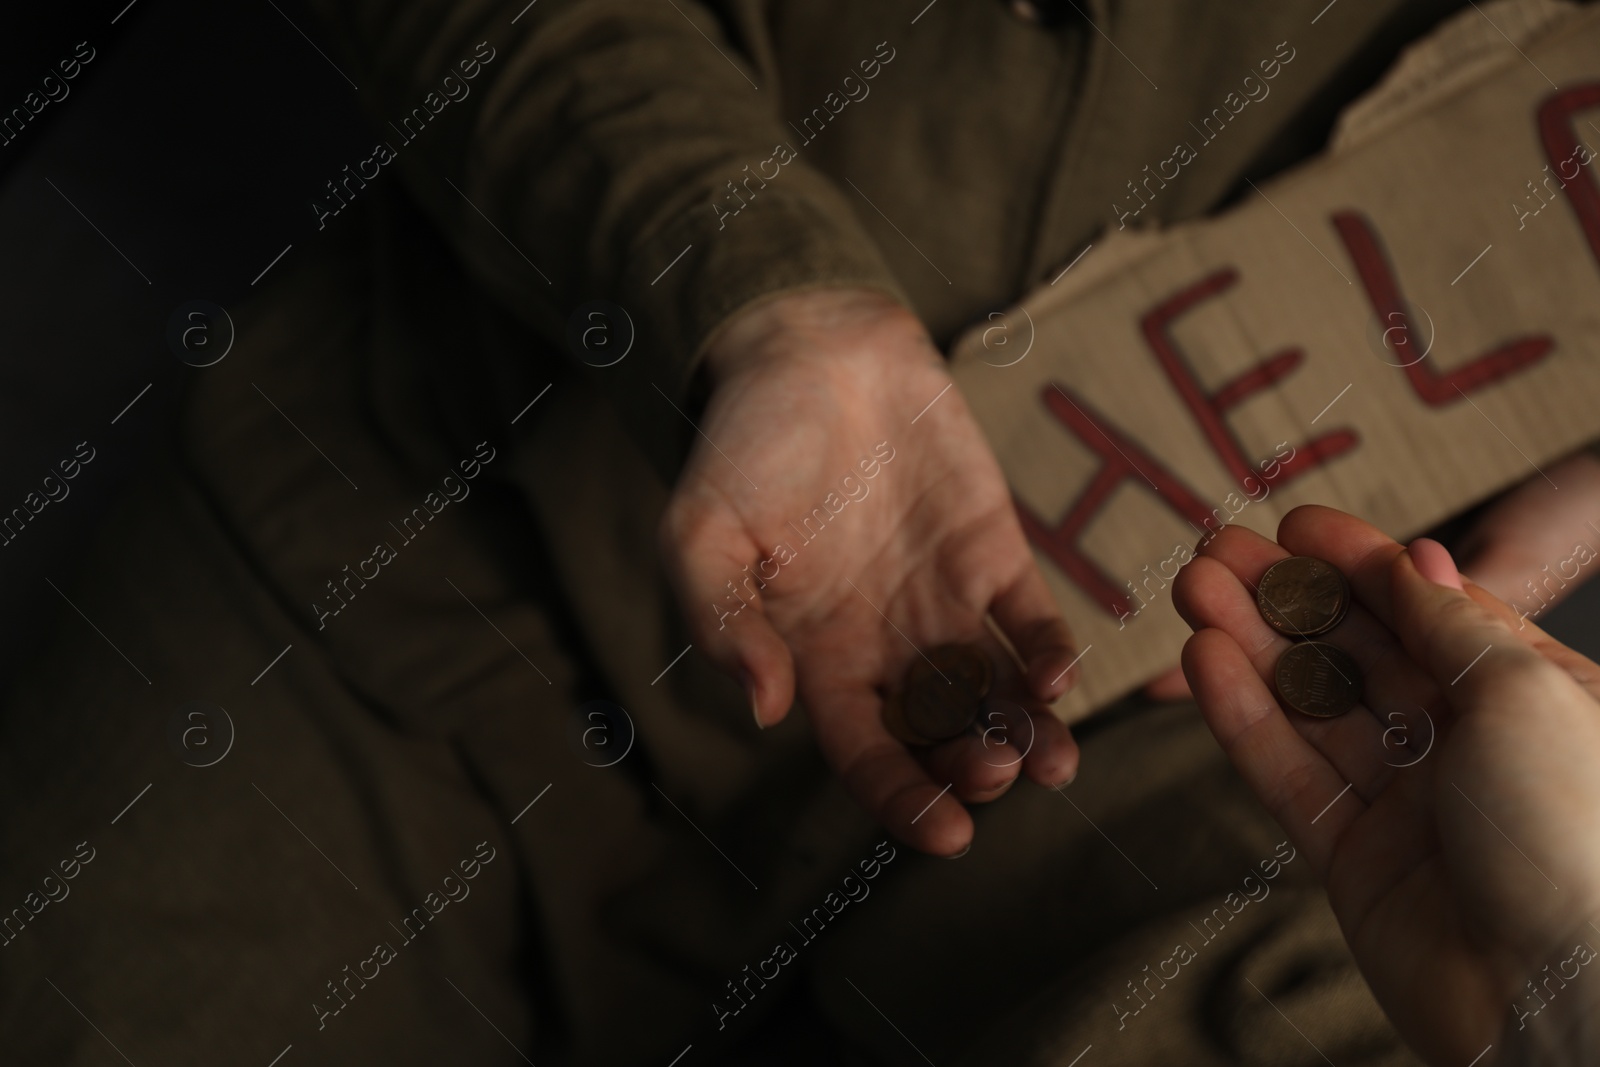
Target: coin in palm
1318	679
944	691
1302	596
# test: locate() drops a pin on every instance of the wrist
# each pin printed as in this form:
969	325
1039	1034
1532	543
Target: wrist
833	320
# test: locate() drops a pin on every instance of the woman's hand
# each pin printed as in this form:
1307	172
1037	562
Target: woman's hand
843	514
1455	818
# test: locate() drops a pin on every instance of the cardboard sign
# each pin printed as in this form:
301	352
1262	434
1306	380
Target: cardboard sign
1399	329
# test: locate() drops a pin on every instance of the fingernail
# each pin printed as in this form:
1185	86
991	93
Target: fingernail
750	688
1434	563
1062	677
963	852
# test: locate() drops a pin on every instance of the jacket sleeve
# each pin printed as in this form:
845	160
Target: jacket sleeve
597	149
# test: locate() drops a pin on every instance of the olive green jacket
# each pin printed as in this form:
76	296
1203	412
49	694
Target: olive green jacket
685	159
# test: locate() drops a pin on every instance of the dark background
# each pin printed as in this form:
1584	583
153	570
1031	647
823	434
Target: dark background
194	141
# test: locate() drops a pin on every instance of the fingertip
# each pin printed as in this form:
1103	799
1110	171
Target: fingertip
1305	517
976	774
1055	760
752	692
989	795
1028	617
769	704
1051	674
928	818
1433	562
1418	595
766	672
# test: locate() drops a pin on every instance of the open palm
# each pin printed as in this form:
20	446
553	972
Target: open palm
841	516
1452	817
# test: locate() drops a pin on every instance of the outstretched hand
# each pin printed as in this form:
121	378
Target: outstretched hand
1454	817
842	515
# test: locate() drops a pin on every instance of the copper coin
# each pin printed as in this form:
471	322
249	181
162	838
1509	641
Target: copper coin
1317	679
894	720
1302	597
944	692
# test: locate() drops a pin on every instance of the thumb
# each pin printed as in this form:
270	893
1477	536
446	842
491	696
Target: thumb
714	568
1467	648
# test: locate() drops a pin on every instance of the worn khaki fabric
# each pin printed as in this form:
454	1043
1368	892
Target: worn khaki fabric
399	737
600	141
